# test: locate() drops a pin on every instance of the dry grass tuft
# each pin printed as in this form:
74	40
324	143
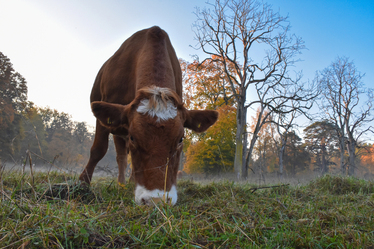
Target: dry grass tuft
342	185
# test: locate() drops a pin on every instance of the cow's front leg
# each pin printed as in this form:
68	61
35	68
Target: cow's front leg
122	150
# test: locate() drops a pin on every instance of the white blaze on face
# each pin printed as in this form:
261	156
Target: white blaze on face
161	111
144	196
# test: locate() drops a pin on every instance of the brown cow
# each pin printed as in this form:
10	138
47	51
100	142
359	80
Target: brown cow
180	174
137	96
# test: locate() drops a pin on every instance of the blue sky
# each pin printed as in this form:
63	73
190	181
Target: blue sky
59	46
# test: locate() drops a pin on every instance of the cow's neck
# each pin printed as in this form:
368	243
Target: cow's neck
155	67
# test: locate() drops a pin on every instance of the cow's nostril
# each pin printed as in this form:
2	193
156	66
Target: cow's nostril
147	202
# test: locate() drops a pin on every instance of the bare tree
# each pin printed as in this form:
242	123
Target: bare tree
283	124
345	106
231	31
235	31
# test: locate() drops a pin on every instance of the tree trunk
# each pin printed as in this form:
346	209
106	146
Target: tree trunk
324	166
281	153
351	147
240	133
245	143
323	159
342	150
249	154
352	156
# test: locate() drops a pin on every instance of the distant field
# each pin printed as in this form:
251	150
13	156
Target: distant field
51	211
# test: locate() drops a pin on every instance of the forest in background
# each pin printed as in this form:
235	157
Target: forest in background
303	150
49	135
52	137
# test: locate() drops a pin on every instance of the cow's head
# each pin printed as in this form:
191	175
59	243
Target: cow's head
155	122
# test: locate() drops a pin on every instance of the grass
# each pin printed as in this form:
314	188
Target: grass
49	211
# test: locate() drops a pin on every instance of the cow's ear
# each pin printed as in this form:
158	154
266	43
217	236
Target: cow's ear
111	115
200	120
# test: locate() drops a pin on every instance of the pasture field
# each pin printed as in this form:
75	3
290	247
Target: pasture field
50	211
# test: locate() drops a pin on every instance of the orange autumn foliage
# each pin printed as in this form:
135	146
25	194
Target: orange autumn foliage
205	84
214	152
367	160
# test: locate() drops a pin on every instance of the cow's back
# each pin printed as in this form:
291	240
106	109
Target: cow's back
146	58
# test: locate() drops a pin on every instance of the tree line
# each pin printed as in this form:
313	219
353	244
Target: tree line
51	136
281	147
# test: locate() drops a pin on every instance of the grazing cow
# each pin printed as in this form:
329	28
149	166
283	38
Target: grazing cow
137	96
180	174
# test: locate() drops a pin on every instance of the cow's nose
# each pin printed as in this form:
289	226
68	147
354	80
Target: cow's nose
144	202
151	201
149	197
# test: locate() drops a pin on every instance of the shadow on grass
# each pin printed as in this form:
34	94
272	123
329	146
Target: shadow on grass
70	190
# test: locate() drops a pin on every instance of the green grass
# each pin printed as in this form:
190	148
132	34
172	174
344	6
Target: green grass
49	211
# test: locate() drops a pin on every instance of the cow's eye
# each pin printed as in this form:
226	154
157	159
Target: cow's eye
131	138
181	140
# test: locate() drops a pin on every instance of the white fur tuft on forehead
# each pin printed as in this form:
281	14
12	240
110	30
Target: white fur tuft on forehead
158	105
